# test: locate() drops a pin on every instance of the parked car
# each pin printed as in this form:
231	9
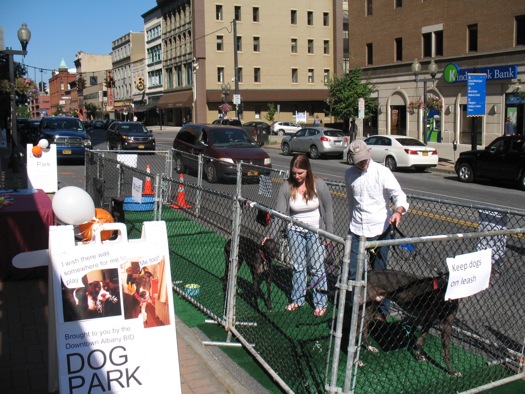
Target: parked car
317	141
399	151
223	147
98	124
503	159
107	123
28	130
282	128
129	136
237	123
256	124
69	135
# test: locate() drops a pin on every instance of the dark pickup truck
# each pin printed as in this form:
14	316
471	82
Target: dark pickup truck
503	159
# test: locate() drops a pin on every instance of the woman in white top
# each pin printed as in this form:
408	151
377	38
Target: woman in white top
307	199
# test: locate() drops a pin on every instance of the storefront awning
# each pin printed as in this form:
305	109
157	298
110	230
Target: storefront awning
275	95
144	108
176	100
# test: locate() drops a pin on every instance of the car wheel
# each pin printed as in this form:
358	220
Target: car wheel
211	172
349	158
314	152
522	182
179	166
280	133
390	163
465	173
286	150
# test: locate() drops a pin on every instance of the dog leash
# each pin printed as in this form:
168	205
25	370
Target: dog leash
330	248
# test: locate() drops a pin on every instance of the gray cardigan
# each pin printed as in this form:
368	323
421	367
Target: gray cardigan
326	211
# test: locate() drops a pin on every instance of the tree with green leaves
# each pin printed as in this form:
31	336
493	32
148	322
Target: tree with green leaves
345	92
270	113
91	111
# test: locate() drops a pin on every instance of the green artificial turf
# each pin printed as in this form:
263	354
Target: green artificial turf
297	345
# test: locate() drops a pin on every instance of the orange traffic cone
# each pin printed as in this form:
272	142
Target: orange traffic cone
148	187
181	195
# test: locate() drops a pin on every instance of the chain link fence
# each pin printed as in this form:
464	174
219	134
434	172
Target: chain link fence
213	229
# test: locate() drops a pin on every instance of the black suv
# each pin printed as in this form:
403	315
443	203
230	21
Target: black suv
503	159
129	135
222	147
68	134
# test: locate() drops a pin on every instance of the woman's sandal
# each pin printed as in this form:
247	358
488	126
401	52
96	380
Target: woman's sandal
320	311
292	307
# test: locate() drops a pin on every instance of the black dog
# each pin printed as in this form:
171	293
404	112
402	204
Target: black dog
259	259
421	297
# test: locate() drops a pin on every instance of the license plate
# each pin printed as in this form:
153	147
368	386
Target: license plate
425	153
253	173
141	146
338	142
66	152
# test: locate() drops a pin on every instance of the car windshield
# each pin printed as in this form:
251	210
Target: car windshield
410	142
230	137
133	128
64	124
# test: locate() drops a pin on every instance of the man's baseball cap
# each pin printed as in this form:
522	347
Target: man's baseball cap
358	151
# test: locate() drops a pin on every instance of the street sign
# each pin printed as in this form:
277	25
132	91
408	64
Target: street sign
236	99
476	94
361	108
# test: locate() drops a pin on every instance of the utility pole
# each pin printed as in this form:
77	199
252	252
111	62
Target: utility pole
236	65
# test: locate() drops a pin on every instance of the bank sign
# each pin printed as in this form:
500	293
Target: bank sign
453	74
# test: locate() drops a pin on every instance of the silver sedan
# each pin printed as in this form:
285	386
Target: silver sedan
317	141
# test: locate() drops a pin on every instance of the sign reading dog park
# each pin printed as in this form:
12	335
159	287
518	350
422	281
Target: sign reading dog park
114	320
468	274
42	167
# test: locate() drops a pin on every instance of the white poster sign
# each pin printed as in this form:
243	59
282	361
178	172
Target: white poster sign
114	321
468	274
42	171
136	190
129	160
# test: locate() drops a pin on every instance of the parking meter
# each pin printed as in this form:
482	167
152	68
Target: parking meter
455	145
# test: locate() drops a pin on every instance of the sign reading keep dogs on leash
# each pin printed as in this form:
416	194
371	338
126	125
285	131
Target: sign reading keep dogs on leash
114	323
468	274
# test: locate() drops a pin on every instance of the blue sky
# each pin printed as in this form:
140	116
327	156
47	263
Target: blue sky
60	28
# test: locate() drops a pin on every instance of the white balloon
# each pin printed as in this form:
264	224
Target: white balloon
72	205
43	143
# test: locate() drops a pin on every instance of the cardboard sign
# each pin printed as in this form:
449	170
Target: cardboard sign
42	171
114	322
468	274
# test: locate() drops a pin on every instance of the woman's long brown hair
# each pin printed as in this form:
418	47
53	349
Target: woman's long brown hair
301	162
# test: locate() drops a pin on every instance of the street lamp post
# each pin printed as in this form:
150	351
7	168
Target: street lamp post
24	35
432	70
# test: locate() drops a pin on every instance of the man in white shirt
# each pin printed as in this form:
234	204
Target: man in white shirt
370	188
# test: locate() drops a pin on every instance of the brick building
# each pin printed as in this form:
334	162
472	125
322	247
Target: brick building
59	90
461	37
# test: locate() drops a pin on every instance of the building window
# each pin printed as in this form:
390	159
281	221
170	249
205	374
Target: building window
326	19
218	12
293	17
326	47
257	75
369	7
472	31
255	14
237	11
310	18
369	54
399	49
256	44
311	46
239	44
220	43
432	42
399	3
293	48
520	30
295	77
310	75
326	75
239	74
220	74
